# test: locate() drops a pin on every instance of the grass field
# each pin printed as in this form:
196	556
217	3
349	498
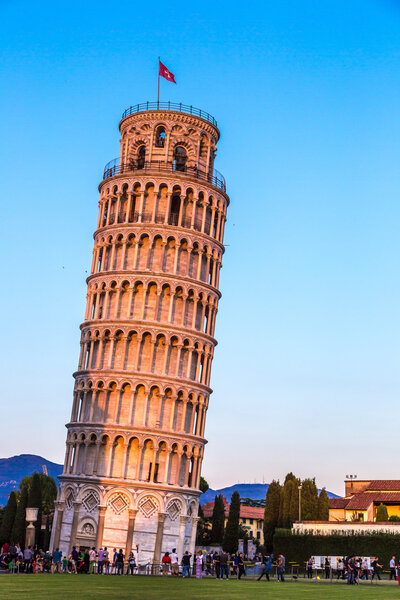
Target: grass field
93	587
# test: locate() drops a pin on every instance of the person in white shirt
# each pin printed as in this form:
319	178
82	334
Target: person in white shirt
392	567
92	559
174	563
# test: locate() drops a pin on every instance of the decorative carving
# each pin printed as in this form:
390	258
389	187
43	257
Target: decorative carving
91	501
118	502
148	506
88	529
69	501
173	509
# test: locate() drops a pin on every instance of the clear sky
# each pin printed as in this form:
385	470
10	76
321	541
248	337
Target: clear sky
307	95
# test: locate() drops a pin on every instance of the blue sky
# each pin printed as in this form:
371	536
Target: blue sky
307	94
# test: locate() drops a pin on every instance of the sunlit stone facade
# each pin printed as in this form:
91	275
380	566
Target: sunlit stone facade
135	440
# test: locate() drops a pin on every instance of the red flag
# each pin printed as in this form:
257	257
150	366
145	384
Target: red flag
163	71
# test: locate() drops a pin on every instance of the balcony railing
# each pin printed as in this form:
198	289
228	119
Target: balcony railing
115	168
174	106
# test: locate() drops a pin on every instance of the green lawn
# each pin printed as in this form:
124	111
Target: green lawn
97	587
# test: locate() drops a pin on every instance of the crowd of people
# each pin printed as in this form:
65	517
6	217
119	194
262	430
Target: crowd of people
105	562
354	568
220	565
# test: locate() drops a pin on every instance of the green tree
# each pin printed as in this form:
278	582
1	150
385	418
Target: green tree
8	518
19	527
35	500
203	485
231	537
309	500
382	513
271	513
323	506
218	520
289	509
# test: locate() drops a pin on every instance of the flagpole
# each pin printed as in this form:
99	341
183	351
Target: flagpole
158	90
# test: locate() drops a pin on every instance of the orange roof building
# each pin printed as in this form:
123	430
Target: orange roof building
362	499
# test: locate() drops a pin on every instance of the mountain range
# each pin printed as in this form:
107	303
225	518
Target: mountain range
13	469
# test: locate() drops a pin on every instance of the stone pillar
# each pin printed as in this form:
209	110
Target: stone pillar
131	529
159	536
58	518
100	527
193	535
181	535
75	521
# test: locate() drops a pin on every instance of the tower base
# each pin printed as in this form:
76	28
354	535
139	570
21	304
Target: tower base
146	519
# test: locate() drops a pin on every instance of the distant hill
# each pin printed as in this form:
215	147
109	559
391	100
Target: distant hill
13	469
255	491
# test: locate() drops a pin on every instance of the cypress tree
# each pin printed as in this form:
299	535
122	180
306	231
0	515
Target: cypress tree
35	500
8	518
19	527
323	506
309	500
271	513
231	538
218	520
382	513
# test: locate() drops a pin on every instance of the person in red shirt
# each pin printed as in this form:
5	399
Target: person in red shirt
166	561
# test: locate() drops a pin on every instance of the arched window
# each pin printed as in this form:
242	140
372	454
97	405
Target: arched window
180	158
160	137
141	157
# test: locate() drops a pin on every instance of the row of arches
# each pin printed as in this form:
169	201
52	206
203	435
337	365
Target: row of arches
149	301
157	253
131	459
145	204
145	352
139	406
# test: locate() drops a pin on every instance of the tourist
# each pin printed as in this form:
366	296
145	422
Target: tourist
309	567
174	563
166	561
241	567
186	564
392	567
28	555
65	565
267	568
224	557
131	563
364	569
71	563
281	567
376	568
327	567
351	569
119	563
106	559
209	564
235	565
217	564
100	561
199	565
92	560
114	562
57	555
398	571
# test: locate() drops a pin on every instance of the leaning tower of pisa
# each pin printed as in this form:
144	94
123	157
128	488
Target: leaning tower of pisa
135	440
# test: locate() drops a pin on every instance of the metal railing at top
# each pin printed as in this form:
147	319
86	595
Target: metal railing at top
115	168
174	106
